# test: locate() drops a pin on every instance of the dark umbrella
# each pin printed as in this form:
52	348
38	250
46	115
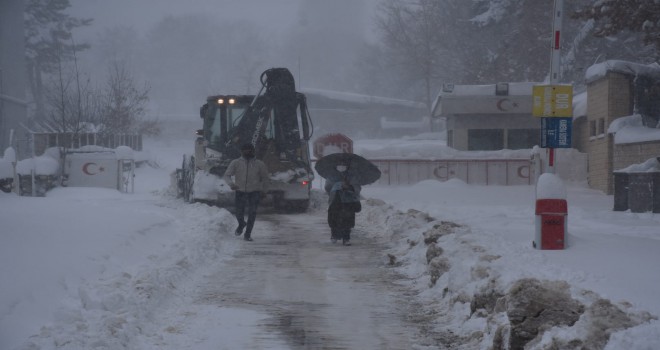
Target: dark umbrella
360	171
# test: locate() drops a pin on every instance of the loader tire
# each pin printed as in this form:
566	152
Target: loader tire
188	178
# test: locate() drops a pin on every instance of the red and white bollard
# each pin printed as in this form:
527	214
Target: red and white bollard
551	213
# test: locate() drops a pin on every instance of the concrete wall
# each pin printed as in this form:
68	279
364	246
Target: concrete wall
13	108
634	153
608	99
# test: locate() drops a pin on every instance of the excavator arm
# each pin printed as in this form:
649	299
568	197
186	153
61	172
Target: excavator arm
278	100
276	121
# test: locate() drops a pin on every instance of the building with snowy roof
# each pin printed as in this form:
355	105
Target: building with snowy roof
621	126
359	115
488	117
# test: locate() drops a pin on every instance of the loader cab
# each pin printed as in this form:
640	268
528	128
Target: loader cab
221	115
276	122
227	124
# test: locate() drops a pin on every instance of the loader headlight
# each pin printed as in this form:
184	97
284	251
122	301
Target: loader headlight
232	101
221	101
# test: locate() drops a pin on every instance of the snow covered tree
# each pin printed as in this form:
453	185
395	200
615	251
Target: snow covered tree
510	40
71	103
48	42
487	41
124	104
420	40
315	51
189	57
613	17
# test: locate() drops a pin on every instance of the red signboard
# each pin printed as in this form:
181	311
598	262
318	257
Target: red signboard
332	143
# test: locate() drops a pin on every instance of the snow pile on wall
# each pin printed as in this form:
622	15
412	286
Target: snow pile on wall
649	166
599	70
45	164
630	129
121	152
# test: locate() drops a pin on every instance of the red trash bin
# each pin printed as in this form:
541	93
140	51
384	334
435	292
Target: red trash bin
551	224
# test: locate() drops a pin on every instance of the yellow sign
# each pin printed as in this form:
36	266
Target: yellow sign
552	101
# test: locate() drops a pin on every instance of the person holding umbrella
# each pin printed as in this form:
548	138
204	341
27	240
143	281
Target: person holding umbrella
344	202
345	173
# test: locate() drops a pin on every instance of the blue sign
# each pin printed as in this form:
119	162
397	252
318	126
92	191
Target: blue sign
556	132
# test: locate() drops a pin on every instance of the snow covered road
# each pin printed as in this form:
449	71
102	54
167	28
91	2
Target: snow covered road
316	294
90	268
205	288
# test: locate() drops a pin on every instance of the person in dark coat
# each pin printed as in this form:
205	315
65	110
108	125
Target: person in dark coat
344	202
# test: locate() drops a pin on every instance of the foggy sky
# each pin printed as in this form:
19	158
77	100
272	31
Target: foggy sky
273	15
143	14
318	40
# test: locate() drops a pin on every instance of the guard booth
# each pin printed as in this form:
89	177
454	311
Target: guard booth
551	213
108	169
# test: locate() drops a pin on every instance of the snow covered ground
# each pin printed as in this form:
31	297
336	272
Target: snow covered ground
92	266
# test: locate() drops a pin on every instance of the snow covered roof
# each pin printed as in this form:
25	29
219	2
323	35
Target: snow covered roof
631	129
514	89
421	124
362	99
483	99
599	70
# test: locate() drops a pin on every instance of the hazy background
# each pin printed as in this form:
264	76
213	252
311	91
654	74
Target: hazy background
185	51
180	52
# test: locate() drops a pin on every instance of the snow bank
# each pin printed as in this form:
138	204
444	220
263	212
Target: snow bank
487	294
117	306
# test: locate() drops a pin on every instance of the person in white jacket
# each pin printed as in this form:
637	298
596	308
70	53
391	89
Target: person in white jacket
250	178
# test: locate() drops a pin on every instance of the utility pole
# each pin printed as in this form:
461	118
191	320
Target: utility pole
553	103
555	64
